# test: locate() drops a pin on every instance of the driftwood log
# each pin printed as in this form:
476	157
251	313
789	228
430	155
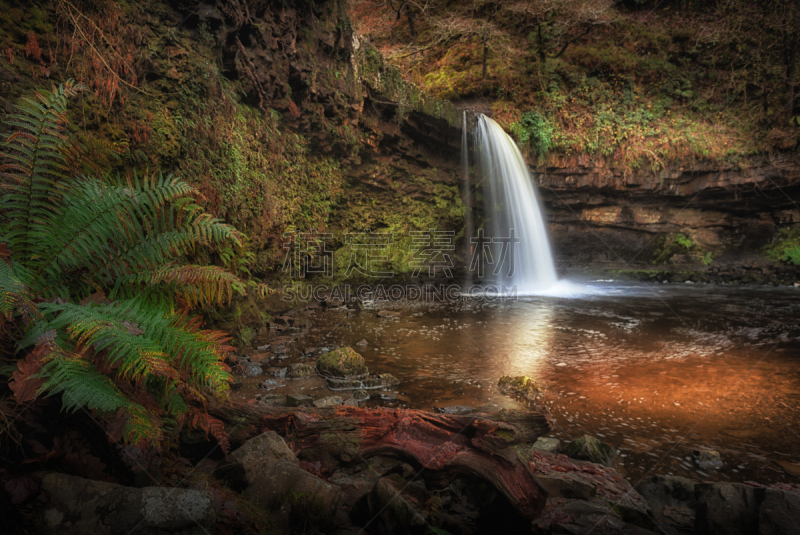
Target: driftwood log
495	447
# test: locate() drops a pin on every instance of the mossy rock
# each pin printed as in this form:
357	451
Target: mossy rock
588	448
300	371
519	386
384	380
344	362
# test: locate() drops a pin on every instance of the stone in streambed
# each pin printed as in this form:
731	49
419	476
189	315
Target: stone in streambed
299	400
588	448
519	386
727	508
550	445
251	370
344	362
707	459
779	512
330	401
672	500
300	371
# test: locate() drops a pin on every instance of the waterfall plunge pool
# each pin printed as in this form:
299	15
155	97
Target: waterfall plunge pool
655	370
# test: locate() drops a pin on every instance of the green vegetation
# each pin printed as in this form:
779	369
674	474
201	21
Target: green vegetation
785	247
640	83
534	131
679	244
96	287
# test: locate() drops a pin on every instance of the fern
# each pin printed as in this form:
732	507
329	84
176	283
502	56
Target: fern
96	267
35	166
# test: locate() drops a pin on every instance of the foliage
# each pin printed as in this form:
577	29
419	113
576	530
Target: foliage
636	85
680	244
683	241
786	246
535	131
96	277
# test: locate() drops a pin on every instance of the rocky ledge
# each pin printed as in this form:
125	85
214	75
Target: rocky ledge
347	470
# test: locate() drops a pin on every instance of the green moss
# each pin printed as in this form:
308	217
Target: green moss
343	362
785	247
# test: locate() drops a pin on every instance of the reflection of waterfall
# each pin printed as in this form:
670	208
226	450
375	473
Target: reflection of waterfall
530	339
512	211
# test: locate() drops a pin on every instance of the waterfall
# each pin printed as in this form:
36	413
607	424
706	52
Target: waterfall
512	211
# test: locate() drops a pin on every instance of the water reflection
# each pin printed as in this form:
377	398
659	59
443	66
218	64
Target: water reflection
530	337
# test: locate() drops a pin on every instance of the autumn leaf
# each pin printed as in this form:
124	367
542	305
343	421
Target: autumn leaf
23	385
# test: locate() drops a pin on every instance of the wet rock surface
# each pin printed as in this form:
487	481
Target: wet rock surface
588	448
79	506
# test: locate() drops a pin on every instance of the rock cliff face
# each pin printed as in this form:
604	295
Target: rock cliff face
283	116
602	216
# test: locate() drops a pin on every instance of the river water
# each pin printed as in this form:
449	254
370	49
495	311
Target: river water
657	370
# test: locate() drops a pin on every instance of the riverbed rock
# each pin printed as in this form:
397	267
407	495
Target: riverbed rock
344	362
727	508
779	512
707	459
580	517
588	448
550	445
269	475
672	500
251	369
300	371
79	506
519	386
299	400
260	357
388	314
362	342
394	506
330	401
577	479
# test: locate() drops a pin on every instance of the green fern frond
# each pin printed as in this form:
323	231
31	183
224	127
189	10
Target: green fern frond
33	165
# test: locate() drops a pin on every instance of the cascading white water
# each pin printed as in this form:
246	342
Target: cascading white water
512	207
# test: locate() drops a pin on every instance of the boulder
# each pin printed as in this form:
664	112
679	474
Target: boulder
550	445
565	479
672	500
299	400
779	512
588	448
270	476
344	362
251	369
79	506
330	401
580	517
393	507
727	508
519	386
707	459
300	371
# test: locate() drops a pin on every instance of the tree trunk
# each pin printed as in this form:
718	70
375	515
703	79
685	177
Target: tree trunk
485	57
495	447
